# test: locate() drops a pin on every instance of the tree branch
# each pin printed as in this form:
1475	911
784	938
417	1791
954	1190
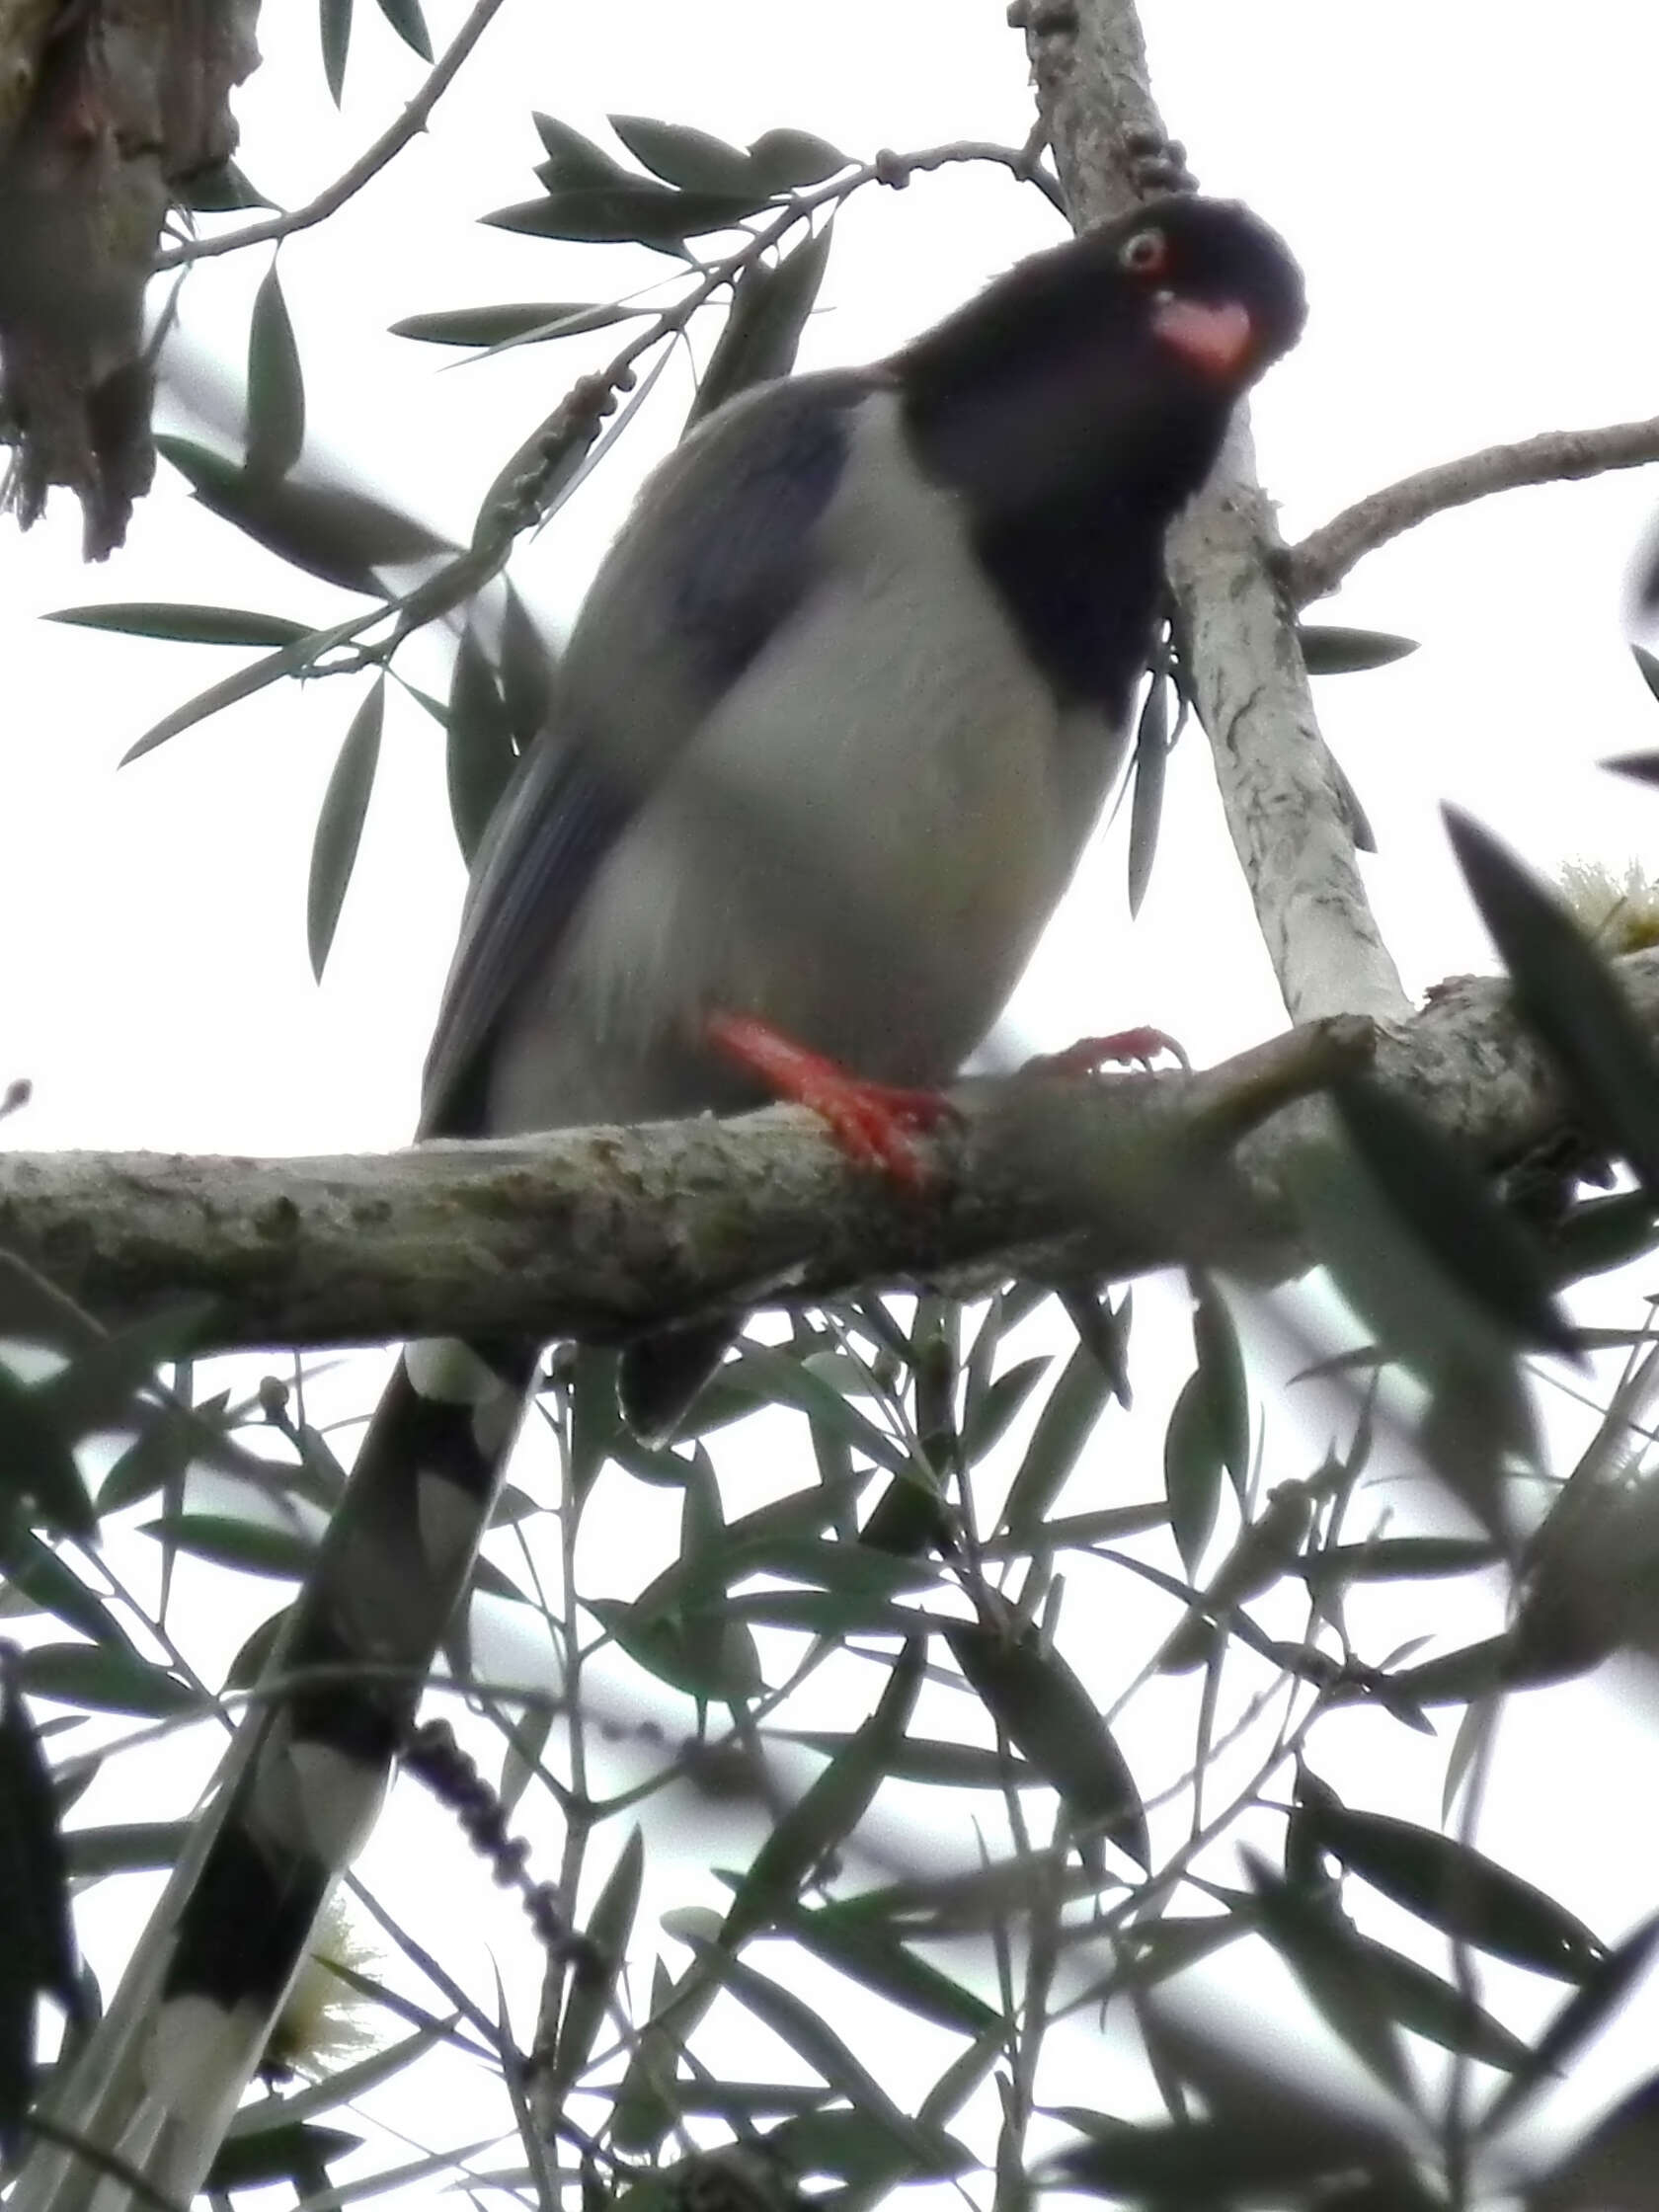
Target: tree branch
1287	802
1325	557
368	165
600	1234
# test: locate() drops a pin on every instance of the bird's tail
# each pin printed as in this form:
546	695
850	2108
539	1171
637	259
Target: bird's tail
157	2084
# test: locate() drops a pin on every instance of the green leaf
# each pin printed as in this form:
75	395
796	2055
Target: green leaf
1339	1978
1222	1364
1565	990
159	1455
1047	1714
407	21
139	1846
1329	649
1214	2162
479	757
184	623
37	1469
1443	1204
639	213
783	159
287	661
1455	1889
288	2150
1192	1468
527	671
931	1760
768	313
499	325
988	1415
104	1681
100	1387
870	1956
34	1570
1063	1427
220	189
1265	1552
340	823
796	2023
772	1377
1591	2005
1145	811
248	1546
684	156
1400	1560
35	1933
335	24
1434	2009
829	1810
597	1968
573	159
340	535
275	384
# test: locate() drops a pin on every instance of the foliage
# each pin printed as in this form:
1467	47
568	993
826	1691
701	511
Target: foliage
1010	1716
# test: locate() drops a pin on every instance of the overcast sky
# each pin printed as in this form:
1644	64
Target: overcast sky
1472	201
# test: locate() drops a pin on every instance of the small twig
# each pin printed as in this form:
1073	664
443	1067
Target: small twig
1325	557
369	163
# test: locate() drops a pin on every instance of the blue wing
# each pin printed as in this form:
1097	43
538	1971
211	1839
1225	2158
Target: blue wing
711	562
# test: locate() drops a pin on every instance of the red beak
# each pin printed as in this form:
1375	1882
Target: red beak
1215	341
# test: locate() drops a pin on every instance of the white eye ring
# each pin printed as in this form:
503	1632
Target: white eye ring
1146	253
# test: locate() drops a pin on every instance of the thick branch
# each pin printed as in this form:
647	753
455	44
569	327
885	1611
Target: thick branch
1325	557
600	1232
1286	800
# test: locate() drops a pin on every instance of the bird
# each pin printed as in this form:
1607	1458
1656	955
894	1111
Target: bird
842	705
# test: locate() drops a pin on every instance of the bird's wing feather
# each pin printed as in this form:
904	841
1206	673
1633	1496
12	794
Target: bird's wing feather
714	559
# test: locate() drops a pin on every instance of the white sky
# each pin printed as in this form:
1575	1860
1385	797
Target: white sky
1471	194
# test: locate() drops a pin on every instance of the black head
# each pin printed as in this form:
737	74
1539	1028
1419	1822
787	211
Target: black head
1109	364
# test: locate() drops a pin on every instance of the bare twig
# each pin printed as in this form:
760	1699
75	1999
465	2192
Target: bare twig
368	165
1325	557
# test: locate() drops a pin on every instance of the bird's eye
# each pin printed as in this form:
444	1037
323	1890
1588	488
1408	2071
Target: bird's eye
1145	254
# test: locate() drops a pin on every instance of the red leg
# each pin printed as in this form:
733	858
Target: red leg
872	1123
1090	1053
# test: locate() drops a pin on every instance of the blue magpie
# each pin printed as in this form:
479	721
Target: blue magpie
836	718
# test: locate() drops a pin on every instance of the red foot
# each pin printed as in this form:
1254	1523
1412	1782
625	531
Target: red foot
872	1123
1090	1053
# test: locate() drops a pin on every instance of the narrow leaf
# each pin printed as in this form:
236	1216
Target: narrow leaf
573	159
1455	1889
407	21
38	1470
829	1810
1151	764
183	622
1329	649
782	159
1441	1199
340	823
769	312
104	1681
1063	1427
597	1970
479	757
335	24
275	384
1049	1717
684	156
1566	992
